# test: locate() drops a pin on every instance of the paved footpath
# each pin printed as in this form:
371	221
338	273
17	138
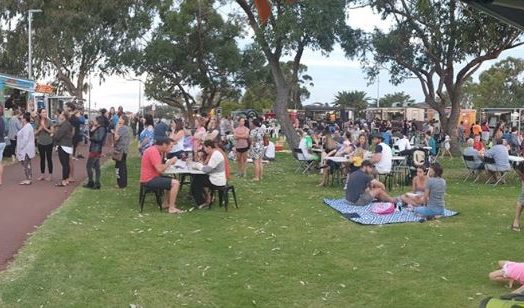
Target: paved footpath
24	208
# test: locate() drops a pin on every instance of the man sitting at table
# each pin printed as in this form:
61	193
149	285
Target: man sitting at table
383	156
151	170
214	178
470	151
362	189
500	154
403	144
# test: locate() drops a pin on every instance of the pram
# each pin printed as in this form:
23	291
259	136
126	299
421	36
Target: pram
415	158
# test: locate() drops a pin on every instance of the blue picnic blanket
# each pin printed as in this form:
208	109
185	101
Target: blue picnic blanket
363	214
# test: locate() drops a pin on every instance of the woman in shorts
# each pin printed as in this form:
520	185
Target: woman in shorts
241	135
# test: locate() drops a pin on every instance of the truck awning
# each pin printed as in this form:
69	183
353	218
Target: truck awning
508	11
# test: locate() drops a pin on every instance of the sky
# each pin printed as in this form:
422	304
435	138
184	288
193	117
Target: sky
330	74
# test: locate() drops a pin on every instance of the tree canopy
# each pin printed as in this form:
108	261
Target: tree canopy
75	38
193	49
292	27
397	99
502	85
352	99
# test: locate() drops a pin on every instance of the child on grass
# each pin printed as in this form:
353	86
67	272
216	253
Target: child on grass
509	271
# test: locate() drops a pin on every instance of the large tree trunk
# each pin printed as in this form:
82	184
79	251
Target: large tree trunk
281	103
451	128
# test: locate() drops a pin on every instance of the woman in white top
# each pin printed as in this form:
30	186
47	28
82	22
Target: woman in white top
215	169
177	135
25	147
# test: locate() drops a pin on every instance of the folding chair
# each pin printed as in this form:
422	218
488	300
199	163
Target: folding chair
489	164
304	164
469	163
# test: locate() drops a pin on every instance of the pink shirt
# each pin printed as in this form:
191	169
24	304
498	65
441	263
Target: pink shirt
514	271
150	159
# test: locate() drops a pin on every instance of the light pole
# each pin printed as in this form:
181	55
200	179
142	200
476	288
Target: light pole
140	82
29	34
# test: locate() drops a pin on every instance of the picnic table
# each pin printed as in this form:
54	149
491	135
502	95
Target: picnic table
182	167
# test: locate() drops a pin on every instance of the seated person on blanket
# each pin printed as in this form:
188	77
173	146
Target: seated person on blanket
433	194
362	189
509	271
416	196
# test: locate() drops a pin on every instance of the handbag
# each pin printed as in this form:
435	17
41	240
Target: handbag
117	155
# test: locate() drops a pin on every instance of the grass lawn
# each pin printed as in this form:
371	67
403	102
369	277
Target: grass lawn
283	247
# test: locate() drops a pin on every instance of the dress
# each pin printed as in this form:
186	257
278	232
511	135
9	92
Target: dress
257	143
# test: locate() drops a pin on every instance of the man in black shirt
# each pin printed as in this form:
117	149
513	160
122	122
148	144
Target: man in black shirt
362	189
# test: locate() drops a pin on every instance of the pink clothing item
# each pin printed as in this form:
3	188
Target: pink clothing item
514	271
198	137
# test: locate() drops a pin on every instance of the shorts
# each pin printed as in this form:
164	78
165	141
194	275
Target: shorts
364	199
242	150
425	211
159	182
2	148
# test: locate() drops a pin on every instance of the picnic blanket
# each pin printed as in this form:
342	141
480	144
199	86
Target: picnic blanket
364	216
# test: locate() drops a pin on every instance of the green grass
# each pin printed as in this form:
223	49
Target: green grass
283	247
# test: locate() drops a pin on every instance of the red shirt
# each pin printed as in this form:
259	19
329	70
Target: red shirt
478	145
150	159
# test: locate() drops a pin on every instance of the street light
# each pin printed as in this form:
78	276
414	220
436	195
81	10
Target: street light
140	82
30	60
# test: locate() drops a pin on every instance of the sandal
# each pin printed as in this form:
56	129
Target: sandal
515	228
203	206
176	211
60	184
25	183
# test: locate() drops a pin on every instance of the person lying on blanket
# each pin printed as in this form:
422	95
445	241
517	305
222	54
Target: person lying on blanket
362	189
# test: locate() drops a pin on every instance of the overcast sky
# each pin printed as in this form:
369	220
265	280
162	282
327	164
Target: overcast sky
330	74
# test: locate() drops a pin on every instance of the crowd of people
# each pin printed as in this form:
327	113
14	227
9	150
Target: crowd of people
207	146
27	134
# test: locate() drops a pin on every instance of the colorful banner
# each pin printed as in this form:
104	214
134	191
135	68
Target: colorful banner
17	83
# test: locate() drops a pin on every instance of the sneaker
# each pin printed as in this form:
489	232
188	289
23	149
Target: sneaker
89	185
96	186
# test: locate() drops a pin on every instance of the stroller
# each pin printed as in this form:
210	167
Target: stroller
415	158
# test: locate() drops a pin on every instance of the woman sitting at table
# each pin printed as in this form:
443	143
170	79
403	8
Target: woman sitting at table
215	169
416	196
362	142
328	166
347	147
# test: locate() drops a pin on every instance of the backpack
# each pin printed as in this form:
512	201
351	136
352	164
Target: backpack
383	208
504	301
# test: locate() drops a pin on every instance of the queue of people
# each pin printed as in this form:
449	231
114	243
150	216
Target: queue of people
35	133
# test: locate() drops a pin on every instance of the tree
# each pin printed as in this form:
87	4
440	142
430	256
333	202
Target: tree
397	99
440	43
75	38
315	24
192	49
352	99
502	85
13	51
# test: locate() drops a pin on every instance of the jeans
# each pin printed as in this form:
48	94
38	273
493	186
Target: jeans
425	211
198	182
64	161
2	148
46	152
93	163
26	163
121	171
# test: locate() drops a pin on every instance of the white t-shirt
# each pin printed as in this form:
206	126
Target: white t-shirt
270	151
403	144
303	147
386	159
